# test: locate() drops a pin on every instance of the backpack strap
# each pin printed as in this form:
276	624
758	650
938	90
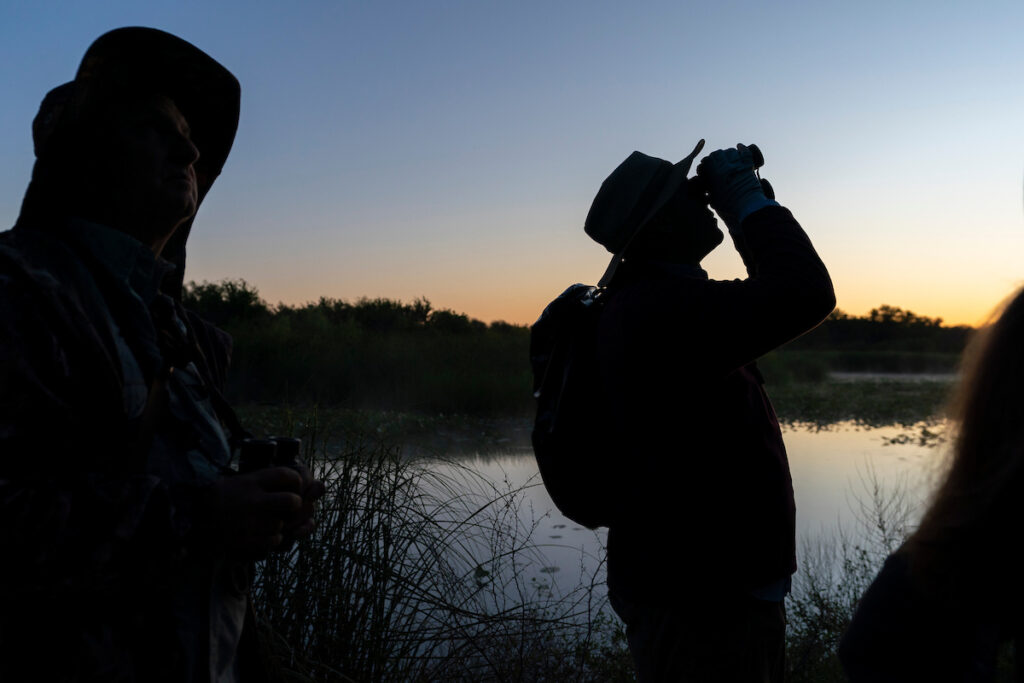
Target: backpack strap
179	348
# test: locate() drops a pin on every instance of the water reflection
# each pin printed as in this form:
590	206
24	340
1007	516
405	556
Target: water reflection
832	467
567	554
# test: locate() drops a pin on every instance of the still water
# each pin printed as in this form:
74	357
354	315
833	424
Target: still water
833	469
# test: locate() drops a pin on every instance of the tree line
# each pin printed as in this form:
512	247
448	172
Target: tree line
886	328
386	354
370	353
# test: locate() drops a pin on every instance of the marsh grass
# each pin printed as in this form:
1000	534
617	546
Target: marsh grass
835	570
420	573
868	403
916	406
793	364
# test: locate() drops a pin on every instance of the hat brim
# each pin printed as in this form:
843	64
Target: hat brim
675	180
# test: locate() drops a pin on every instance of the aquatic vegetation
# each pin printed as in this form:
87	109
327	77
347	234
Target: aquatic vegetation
834	572
416	573
868	402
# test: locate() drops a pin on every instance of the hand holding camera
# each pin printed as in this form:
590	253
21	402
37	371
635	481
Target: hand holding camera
734	190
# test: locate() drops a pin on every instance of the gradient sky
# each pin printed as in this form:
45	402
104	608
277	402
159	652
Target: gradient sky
450	149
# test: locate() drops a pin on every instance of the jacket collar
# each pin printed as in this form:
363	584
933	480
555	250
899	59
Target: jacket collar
125	259
637	269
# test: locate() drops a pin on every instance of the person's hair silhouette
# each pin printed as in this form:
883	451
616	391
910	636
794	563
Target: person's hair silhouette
950	597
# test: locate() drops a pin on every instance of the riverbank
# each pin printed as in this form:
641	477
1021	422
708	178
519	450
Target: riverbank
869	400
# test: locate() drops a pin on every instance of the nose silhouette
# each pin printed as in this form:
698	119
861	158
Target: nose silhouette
184	150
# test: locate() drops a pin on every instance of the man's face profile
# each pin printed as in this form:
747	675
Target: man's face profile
151	170
158	157
685	226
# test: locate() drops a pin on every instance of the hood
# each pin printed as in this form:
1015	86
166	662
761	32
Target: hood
141	61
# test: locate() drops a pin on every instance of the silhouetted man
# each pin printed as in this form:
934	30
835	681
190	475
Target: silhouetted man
700	564
126	537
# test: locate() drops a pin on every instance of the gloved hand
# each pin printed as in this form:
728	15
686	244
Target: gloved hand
733	189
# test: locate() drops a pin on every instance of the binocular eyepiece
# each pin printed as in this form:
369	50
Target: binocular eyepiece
275	451
755	153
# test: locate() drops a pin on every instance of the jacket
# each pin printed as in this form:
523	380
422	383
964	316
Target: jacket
704	464
110	557
109	552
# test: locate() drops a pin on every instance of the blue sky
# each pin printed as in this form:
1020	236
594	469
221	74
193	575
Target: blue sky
451	149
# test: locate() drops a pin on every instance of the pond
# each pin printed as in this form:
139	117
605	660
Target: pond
833	467
461	548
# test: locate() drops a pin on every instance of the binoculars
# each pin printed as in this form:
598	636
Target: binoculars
275	451
758	160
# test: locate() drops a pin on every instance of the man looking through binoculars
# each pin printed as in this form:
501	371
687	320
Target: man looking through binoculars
699	561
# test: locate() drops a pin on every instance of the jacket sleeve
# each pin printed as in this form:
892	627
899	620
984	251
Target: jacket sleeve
722	325
76	517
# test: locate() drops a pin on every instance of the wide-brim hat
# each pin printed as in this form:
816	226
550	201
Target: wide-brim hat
143	61
629	198
149	60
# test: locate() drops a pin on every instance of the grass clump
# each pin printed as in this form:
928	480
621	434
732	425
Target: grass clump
834	573
789	364
420	573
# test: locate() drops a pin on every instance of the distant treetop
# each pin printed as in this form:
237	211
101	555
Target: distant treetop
229	303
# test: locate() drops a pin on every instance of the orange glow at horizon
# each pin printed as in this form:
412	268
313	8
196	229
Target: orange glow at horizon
523	306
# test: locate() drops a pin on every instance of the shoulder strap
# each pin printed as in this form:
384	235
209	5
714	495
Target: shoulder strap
178	350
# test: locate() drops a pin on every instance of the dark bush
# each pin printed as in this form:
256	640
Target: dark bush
374	353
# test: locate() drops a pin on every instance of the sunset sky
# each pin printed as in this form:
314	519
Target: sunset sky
450	149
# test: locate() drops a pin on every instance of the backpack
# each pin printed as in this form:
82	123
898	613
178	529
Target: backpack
570	438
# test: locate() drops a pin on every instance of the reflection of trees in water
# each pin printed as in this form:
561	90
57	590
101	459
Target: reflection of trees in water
930	433
927	434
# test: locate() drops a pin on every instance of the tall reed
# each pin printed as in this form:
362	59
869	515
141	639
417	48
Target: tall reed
418	572
834	573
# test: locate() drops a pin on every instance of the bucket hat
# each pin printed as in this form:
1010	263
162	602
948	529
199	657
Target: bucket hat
149	60
629	198
142	61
